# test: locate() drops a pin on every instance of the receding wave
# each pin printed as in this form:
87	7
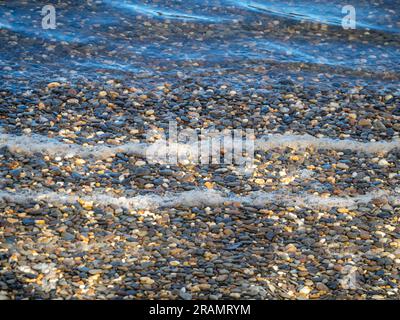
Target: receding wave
158	12
319	12
114	37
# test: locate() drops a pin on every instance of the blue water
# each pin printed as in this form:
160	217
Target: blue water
99	40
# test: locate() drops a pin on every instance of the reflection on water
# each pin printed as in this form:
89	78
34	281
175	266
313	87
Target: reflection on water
101	38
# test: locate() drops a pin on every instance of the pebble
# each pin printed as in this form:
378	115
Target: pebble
365	123
52	85
343	166
146	280
383	163
85	250
185	295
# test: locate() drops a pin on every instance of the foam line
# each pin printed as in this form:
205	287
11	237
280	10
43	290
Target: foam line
307	141
197	198
35	143
30	144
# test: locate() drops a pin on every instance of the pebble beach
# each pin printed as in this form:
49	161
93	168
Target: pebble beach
84	214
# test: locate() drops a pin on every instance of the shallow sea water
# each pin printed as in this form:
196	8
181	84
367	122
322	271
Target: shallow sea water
220	41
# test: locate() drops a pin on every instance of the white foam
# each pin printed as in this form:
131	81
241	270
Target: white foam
197	198
306	141
40	144
30	144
